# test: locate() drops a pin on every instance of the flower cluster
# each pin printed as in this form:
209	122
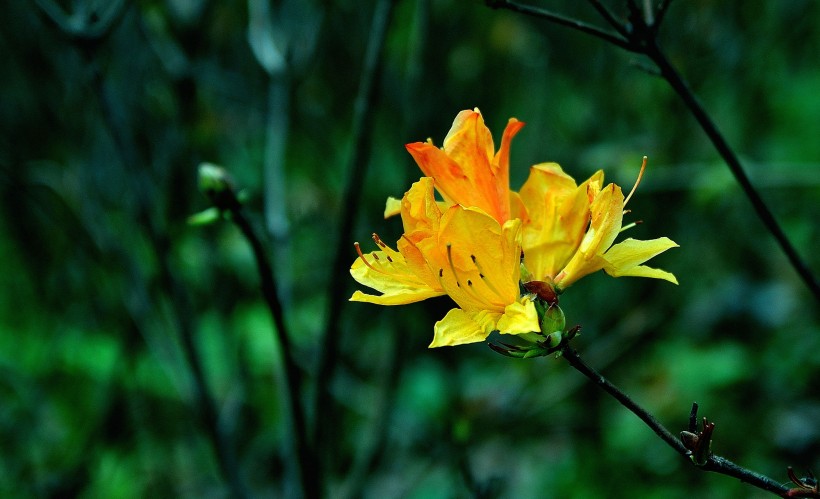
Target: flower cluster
499	254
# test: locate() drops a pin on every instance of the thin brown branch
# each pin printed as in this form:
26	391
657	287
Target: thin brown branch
357	168
714	463
642	39
559	19
663	8
609	17
217	186
308	470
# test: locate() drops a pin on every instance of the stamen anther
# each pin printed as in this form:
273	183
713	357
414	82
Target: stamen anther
378	241
361	255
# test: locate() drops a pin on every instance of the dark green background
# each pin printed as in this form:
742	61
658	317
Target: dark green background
99	143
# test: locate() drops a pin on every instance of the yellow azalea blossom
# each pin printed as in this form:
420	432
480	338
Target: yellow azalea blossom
462	252
467	169
571	230
470	245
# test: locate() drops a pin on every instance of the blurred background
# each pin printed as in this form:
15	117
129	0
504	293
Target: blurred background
121	324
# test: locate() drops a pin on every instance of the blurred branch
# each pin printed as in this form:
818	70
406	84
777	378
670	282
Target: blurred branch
273	33
88	22
357	167
639	35
222	194
86	28
711	462
367	460
559	19
160	243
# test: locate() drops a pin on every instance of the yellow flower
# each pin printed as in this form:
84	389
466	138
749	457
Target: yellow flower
467	169
568	230
571	230
462	252
469	246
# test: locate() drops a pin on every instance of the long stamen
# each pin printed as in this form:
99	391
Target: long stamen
638	181
629	226
450	261
359	251
482	275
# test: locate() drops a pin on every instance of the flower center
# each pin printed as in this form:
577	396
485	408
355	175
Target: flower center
466	281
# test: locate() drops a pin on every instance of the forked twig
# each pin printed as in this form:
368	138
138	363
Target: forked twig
639	36
710	462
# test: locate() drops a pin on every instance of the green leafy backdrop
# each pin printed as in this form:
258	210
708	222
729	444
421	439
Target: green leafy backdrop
106	111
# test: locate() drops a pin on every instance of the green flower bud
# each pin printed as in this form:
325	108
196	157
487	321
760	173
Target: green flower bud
213	179
217	185
553	320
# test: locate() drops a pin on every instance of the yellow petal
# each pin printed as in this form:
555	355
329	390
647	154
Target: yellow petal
482	268
517	208
458	328
419	211
398	297
392	207
604	226
607	211
558	213
389	273
626	257
644	271
519	318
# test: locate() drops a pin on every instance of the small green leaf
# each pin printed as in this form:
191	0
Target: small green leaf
205	217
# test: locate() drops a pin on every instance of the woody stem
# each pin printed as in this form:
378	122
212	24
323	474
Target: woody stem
714	463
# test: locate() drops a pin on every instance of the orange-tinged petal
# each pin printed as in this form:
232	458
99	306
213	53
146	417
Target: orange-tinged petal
435	163
469	139
501	162
517	208
467	170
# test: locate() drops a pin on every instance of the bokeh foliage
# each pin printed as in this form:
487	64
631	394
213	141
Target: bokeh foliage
100	137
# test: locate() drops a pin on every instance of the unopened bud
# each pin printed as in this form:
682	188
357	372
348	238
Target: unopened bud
553	320
217	185
213	178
